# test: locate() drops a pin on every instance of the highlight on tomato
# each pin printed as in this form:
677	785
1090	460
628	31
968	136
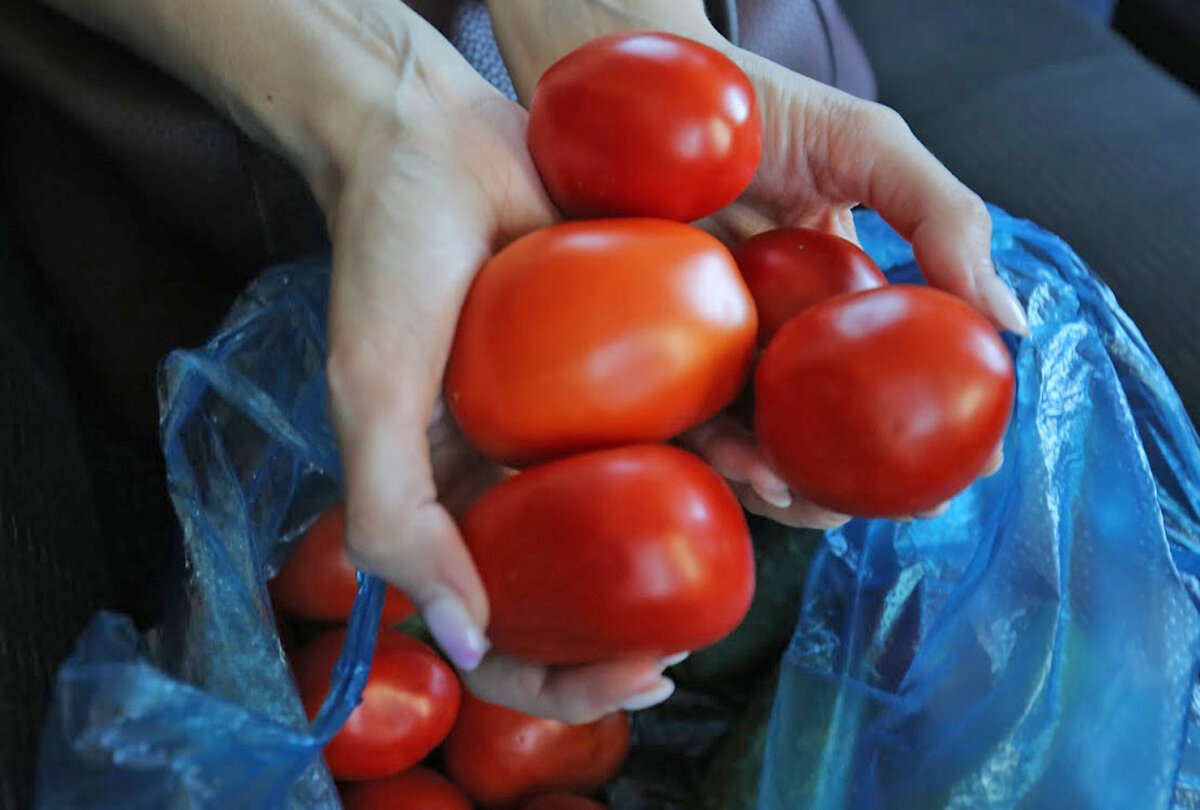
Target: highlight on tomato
644	124
594	334
884	402
499	756
638	550
409	703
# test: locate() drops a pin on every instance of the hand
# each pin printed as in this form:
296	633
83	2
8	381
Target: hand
416	213
422	171
823	153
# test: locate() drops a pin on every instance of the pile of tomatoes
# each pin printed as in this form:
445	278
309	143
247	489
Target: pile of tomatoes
583	349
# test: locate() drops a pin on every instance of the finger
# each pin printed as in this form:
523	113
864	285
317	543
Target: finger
734	453
391	322
801	513
867	153
994	463
576	694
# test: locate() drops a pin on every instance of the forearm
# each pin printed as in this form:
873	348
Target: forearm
533	34
303	75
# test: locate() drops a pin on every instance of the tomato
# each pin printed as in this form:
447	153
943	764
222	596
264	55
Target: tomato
790	269
639	550
563	801
884	402
593	334
499	756
644	124
317	582
408	705
415	789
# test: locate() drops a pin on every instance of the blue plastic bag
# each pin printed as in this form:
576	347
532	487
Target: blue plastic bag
1036	647
202	712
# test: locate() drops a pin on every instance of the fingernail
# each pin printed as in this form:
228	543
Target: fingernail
831	520
672	660
455	632
778	499
773	489
661	690
995	464
1005	306
937	511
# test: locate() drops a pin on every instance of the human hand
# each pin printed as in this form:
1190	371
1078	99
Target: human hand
823	152
422	172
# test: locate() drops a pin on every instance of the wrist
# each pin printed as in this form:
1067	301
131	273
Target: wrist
305	76
533	34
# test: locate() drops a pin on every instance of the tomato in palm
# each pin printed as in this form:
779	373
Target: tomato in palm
416	789
318	582
408	705
885	402
593	334
639	550
563	801
499	756
790	269
644	124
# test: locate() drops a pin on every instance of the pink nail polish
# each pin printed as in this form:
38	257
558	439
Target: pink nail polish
458	636
662	690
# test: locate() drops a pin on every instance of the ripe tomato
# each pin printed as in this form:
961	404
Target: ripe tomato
500	756
415	789
563	801
884	402
408	706
644	124
790	269
639	550
317	582
592	334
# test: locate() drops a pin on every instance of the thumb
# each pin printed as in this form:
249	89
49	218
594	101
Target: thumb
391	324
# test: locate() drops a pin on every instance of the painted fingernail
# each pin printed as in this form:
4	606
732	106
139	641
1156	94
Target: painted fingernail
455	632
662	689
995	464
779	498
831	520
1005	306
672	660
937	511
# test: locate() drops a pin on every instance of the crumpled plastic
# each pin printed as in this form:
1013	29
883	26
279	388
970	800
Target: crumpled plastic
202	712
1035	647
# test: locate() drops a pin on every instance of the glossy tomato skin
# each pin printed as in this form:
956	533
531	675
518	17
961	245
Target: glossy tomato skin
499	756
644	124
885	402
408	705
318	582
639	550
594	334
417	788
563	801
790	269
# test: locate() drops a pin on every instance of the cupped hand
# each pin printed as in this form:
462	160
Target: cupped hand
431	190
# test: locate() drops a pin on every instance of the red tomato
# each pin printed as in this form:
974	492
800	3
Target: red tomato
408	706
644	124
593	334
317	582
640	550
415	789
790	269
499	756
884	402
563	801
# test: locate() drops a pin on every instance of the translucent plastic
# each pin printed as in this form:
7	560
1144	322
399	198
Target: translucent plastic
203	712
1036	647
